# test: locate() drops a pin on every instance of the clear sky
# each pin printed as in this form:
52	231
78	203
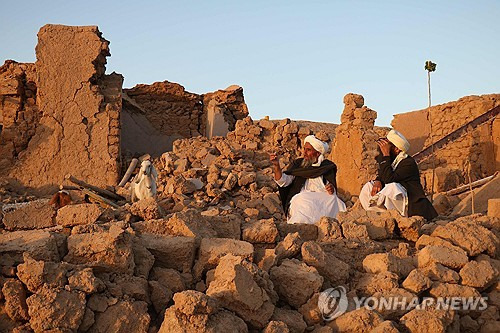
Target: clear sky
294	59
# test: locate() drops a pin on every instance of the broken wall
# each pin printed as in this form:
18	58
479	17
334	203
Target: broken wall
222	109
63	115
354	149
79	129
156	115
479	147
19	114
415	126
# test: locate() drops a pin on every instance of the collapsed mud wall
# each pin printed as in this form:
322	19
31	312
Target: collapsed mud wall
19	114
156	115
63	115
222	109
79	129
415	126
478	147
355	149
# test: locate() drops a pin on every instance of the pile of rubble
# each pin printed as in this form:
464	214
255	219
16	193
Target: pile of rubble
213	253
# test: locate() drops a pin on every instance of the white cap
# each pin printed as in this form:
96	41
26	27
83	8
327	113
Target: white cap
317	144
398	140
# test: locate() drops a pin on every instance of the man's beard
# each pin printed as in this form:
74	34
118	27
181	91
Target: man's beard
393	155
306	163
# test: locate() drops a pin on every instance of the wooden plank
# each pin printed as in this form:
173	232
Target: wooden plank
475	184
99	198
429	151
130	169
95	188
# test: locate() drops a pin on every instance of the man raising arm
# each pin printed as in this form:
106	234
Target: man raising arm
308	187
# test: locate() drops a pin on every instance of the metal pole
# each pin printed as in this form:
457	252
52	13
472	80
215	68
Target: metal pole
431	136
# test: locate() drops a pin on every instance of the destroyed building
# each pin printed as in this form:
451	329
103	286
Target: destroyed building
466	133
64	115
213	252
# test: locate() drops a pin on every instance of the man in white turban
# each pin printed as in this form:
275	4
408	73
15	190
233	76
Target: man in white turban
308	188
397	185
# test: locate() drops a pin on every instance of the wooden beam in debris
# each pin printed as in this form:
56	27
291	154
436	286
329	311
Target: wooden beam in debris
99	198
475	184
96	189
130	169
485	117
69	188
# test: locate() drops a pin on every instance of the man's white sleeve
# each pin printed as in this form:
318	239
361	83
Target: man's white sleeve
285	180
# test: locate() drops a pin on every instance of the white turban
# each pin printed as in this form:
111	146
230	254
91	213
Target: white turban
398	140
317	144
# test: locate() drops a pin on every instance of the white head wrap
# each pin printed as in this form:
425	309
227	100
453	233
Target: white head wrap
398	140
317	144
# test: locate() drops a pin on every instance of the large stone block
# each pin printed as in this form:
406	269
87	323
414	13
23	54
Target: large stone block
35	274
494	207
105	251
41	245
436	254
469	236
15	300
387	262
56	309
34	215
123	317
262	231
378	225
196	312
240	287
212	249
72	215
360	320
295	281
171	251
329	266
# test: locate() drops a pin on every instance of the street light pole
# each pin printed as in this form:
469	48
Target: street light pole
431	67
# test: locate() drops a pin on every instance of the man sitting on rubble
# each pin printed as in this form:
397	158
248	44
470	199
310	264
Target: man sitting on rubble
397	185
308	188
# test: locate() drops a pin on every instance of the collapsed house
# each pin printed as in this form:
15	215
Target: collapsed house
64	115
213	252
465	133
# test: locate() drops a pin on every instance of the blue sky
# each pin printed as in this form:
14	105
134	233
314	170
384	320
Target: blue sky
294	59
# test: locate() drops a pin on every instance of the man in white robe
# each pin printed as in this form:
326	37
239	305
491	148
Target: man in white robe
308	187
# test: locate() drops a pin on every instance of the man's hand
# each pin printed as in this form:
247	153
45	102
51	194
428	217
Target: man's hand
329	188
377	186
275	161
385	146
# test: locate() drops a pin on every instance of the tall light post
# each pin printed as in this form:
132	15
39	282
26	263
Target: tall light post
431	67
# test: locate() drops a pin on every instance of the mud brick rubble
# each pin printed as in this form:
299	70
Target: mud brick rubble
213	251
214	254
